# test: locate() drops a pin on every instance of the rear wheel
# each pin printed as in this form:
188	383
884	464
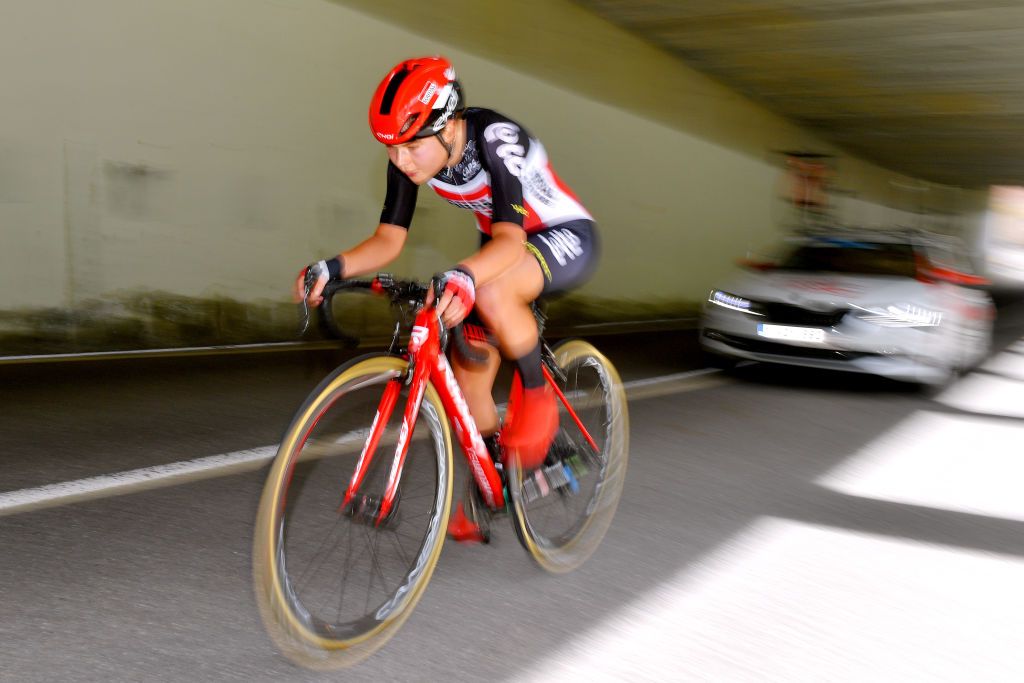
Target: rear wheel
562	510
334	583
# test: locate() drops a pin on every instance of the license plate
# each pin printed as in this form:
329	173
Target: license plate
787	333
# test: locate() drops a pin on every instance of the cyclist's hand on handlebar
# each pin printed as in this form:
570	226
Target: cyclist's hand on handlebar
457	297
309	285
312	279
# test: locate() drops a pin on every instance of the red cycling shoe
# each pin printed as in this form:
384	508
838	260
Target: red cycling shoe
532	427
463	529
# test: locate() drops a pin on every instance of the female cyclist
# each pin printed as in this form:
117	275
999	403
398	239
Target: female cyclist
536	237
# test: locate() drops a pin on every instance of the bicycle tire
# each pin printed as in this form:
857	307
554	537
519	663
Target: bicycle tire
567	548
299	505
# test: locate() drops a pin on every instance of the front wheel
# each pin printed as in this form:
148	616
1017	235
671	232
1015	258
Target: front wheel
562	510
334	582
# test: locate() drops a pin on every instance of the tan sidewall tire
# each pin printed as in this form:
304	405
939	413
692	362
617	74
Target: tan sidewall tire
296	641
577	550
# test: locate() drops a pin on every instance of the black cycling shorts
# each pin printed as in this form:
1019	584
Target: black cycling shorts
567	254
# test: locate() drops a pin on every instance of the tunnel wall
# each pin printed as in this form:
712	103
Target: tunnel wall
167	166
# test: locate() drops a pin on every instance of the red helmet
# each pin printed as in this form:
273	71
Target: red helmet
415	100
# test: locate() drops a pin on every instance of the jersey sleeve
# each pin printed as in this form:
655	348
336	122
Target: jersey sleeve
504	146
400	200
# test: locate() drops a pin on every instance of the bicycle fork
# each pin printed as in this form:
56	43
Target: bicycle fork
424	345
385	409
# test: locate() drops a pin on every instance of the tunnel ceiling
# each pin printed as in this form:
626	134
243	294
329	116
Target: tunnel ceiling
930	88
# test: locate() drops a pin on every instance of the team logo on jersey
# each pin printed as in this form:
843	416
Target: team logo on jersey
510	151
538	187
520	210
470	164
471	169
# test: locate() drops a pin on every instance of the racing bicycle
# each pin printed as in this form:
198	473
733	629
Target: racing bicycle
355	507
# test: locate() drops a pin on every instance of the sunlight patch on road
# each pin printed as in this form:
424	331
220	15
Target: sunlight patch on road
967	455
789	601
998	389
1009	365
942	461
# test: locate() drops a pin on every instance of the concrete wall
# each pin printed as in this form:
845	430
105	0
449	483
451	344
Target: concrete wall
210	148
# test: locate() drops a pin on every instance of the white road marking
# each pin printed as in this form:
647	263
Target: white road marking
668	379
66	492
172	474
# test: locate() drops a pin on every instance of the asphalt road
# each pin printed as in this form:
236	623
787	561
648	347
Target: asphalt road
775	525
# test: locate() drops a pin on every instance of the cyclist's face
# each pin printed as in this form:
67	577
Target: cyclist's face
419	159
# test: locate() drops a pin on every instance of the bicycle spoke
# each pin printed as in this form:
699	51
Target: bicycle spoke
394	539
417	540
374	542
316	569
344	574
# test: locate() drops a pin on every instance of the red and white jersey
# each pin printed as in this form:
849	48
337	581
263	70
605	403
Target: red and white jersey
504	175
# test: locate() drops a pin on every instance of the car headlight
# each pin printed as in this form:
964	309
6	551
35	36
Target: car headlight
901	315
732	302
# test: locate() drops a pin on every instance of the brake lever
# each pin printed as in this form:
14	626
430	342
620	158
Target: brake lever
456	333
442	329
307	287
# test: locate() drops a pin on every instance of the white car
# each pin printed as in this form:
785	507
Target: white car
903	306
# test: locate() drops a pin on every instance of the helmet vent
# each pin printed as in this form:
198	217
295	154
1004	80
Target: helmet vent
392	90
408	124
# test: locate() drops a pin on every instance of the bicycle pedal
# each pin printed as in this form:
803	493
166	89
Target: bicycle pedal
544	480
555	474
577	465
572	482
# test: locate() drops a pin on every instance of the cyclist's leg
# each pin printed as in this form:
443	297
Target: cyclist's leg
504	307
554	260
469	523
476	381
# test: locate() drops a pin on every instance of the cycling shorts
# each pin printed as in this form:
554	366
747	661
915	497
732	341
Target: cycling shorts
567	254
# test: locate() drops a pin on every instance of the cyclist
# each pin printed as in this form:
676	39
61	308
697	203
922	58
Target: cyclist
536	238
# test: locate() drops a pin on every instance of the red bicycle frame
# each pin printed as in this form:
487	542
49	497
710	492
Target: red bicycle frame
428	364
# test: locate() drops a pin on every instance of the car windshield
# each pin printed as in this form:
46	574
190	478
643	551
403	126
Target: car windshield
841	256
